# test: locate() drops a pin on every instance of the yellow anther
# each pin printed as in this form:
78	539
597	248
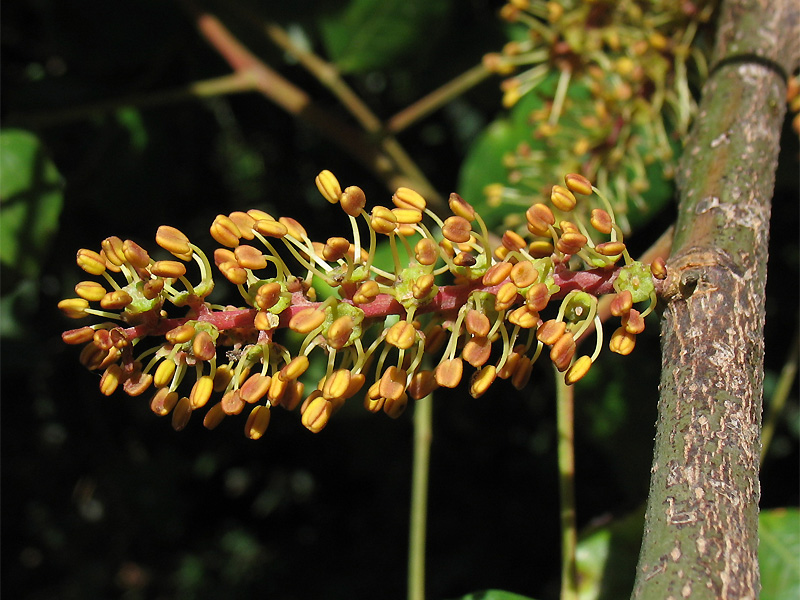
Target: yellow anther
112	250
497	273
257	422
506	296
232	403
562	351
168	268
317	414
550	331
336	385
111	378
181	414
426	252
524	316
172	240
250	257
214	416
335	248
163	402
610	248
482	380
422	287
622	342
244	222
203	346
255	388
477	351
294	368
383	220
407	216
233	272
90	290
271	228
339	332
461	207
448	372
135	254
457	229
164	373
578	369
540	249
116	300
307	320
225	231
328	186
578	184
180	334
562	198
366	292
74	308
524	274
401	335
601	221
353	200
408	198
477	323
91	262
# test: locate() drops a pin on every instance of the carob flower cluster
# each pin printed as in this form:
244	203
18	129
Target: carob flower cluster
391	333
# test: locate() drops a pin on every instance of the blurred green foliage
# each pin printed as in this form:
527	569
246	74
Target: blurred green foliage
102	499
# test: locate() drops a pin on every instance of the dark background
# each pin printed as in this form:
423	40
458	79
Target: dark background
101	499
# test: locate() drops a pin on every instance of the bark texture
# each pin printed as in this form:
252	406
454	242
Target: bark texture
701	526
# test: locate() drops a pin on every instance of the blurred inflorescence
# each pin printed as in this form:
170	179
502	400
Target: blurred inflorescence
616	83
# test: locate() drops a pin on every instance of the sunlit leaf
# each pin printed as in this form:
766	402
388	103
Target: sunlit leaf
371	34
778	552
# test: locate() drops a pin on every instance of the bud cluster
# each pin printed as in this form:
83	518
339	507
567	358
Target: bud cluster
390	335
614	79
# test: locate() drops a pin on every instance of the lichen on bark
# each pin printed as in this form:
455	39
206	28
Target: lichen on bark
701	526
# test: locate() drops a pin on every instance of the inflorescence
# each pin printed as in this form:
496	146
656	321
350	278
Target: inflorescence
391	334
615	80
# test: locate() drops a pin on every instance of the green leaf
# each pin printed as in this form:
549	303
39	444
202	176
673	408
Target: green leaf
371	34
494	595
778	552
548	160
30	202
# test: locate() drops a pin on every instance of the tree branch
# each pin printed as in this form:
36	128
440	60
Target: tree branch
701	527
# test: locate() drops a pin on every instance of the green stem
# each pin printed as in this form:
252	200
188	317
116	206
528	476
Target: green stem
437	98
779	396
235	83
565	409
423	431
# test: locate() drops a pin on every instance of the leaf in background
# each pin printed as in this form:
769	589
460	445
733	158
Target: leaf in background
778	553
30	205
495	158
30	202
371	34
494	595
607	558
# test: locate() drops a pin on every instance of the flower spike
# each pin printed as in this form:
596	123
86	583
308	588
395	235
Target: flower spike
374	331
